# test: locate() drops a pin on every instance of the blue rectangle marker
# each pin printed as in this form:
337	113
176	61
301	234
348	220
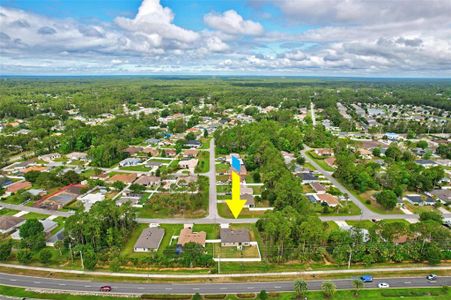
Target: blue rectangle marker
236	163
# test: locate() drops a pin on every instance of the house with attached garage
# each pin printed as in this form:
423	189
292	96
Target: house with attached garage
129	162
238	238
149	240
10	223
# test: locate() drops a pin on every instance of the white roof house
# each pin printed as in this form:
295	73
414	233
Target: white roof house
89	199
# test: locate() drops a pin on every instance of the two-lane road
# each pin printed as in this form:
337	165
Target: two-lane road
203	288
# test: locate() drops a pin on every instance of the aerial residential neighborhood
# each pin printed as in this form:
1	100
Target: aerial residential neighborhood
225	149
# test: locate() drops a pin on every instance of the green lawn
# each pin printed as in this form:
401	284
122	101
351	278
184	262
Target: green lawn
205	143
374	294
223	188
366	224
169	231
33	215
224	212
22	293
419	209
8	212
348	208
140	168
320	161
127	250
203	166
212	230
222	167
233	252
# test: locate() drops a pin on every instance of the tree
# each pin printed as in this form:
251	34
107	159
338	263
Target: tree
89	259
5	250
358	284
24	256
70	177
118	185
32	234
263	295
137	188
377	152
300	288
422	144
431	215
328	289
45	255
197	296
387	198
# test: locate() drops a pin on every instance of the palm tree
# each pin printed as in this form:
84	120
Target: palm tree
300	288
358	284
328	288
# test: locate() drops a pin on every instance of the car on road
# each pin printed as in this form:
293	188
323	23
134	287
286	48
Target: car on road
366	278
383	285
105	288
431	277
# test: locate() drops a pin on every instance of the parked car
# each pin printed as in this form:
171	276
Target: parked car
383	285
431	277
366	278
105	288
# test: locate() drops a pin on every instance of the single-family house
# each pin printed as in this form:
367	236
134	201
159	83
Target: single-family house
147	180
324	152
132	150
190	153
419	200
193	144
443	195
427	163
129	162
318	187
149	240
151	151
328	199
170	152
18	186
10	223
188	236
189	164
235	238
122	177
307	177
49	157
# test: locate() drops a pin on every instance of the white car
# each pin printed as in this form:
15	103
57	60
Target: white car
383	285
431	277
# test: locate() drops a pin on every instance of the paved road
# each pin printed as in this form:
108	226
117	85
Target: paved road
366	212
212	196
202	288
37	210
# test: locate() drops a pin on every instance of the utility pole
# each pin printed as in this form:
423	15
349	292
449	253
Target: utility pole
350	256
70	250
82	263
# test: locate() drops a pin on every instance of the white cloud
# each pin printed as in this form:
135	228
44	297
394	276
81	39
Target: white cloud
156	23
231	22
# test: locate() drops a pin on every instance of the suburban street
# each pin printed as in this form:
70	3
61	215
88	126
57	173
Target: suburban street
39	283
214	218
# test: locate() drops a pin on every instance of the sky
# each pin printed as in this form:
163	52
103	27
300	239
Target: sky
384	38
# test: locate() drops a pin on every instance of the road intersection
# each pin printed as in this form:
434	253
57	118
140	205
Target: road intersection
214	218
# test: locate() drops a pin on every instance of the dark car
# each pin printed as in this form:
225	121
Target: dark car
366	278
105	288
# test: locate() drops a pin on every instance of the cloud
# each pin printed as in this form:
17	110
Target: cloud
46	30
348	37
355	12
231	22
156	22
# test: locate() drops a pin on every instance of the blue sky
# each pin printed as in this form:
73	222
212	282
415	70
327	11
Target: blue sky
257	37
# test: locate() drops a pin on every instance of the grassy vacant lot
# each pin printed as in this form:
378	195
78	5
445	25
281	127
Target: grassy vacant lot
8	212
224	212
203	166
348	208
222	167
419	209
212	230
139	168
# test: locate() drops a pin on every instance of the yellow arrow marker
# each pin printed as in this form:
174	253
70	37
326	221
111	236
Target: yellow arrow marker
236	204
